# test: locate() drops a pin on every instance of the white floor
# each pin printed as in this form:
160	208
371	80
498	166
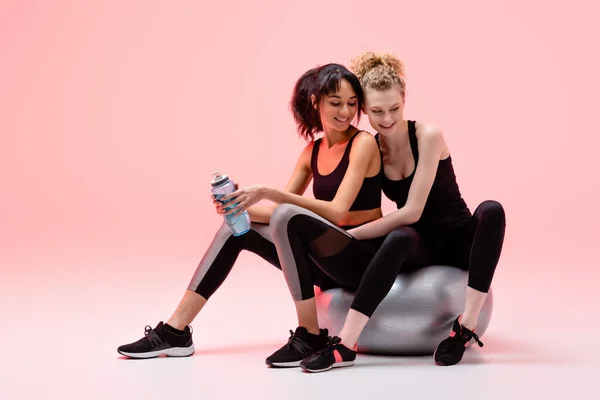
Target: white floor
60	332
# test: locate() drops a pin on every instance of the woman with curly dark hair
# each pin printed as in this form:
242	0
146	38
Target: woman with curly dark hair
345	168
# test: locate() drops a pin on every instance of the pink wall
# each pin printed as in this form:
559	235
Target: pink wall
114	114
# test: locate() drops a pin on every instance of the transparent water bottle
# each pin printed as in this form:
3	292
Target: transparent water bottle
221	186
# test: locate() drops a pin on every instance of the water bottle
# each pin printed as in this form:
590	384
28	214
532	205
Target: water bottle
221	186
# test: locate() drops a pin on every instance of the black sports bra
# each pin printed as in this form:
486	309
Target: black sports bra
325	187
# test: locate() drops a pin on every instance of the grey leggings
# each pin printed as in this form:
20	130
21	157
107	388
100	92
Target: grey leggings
369	266
223	252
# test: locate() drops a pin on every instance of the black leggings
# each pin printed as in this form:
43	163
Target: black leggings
370	267
475	247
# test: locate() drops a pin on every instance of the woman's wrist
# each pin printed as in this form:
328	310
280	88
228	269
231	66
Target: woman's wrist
266	193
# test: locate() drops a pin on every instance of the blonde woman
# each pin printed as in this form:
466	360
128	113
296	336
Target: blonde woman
432	224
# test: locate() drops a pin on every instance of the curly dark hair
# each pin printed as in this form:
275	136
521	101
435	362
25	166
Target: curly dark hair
321	81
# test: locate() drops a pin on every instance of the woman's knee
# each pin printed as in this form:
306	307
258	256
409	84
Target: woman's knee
491	210
223	233
403	236
281	217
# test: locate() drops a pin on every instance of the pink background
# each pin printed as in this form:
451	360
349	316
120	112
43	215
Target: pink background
114	115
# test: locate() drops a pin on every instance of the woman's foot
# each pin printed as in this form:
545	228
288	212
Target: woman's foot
450	351
162	340
333	356
300	345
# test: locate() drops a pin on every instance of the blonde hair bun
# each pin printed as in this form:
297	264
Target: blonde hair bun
368	60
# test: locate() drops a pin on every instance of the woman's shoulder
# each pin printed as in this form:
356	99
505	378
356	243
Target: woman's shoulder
365	138
306	154
426	130
432	137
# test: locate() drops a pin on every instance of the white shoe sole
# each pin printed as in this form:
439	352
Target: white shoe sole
289	364
171	352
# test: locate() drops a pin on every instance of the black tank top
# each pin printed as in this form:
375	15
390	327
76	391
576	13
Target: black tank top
325	187
445	207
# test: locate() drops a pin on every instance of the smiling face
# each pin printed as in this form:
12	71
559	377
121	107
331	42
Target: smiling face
338	109
385	109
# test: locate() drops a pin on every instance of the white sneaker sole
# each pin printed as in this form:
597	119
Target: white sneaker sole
289	364
171	352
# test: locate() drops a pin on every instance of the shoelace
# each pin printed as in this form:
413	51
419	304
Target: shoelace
298	344
152	336
467	334
331	343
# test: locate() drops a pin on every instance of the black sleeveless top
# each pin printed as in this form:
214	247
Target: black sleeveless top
445	207
325	187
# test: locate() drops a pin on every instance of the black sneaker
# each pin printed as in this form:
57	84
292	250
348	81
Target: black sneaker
300	345
159	341
334	355
450	351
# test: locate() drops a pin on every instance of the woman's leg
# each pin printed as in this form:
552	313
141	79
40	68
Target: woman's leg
489	222
402	245
482	247
304	239
174	338
216	265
